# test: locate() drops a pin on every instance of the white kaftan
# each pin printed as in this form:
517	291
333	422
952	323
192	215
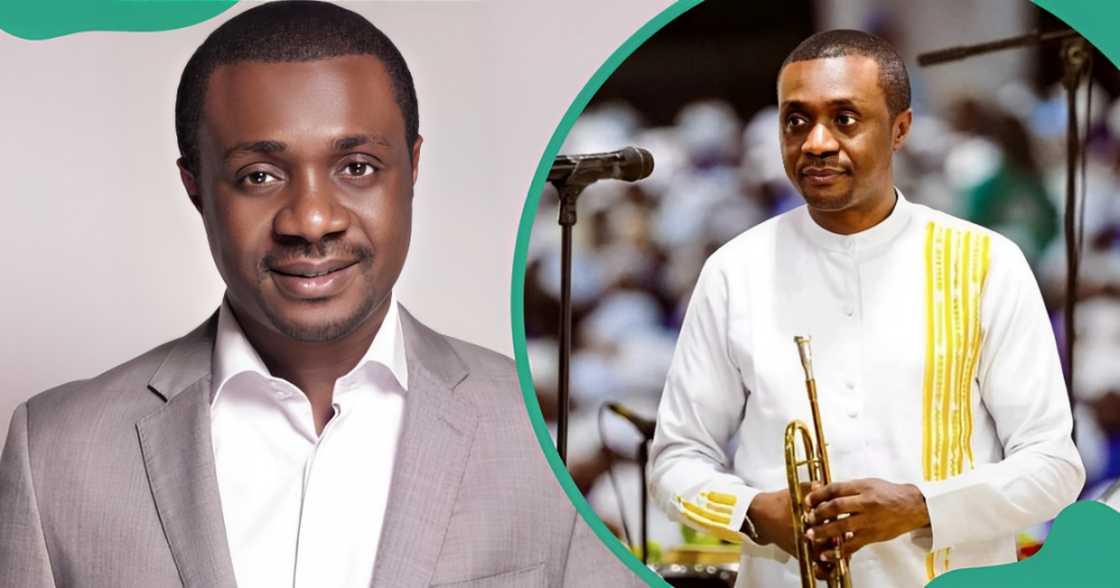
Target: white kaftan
935	364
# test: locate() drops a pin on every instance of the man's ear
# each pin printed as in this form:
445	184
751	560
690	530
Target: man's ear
416	158
190	184
901	128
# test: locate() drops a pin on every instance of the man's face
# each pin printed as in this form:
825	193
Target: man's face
837	132
305	189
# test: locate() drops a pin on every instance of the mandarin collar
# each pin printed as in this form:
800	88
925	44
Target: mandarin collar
865	241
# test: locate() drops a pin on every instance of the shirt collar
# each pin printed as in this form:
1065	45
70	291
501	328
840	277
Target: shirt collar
865	240
235	355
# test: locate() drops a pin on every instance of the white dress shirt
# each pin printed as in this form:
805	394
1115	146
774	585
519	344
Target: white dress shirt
301	509
935	364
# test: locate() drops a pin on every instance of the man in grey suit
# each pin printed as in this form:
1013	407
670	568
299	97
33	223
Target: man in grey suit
311	432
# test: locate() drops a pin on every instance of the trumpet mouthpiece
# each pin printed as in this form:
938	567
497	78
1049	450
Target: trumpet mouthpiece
806	354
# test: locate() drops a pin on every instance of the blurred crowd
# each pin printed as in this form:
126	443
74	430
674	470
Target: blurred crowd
998	161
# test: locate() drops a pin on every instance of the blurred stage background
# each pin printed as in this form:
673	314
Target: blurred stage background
987	144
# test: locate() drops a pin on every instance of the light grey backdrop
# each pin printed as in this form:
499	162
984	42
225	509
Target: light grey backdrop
103	256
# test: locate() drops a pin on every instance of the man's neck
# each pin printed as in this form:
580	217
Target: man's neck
313	367
856	219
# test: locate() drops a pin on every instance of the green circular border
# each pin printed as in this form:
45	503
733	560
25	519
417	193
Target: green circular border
517	289
1094	19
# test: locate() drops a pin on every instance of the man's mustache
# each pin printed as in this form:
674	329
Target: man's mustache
313	251
832	163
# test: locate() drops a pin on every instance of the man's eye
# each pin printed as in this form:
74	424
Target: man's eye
258	178
358	169
795	122
845	120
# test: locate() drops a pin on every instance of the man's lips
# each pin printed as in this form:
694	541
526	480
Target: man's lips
821	176
311	269
822	171
307	280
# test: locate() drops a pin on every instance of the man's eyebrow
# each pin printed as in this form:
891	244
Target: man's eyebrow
792	105
846	102
351	141
254	147
849	102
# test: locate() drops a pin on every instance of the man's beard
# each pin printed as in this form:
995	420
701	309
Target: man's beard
323	332
829	203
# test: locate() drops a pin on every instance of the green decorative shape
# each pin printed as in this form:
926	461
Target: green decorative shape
1096	20
1078	552
517	290
35	21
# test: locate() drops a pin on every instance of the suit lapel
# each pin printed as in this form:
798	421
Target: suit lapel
179	461
437	434
436	438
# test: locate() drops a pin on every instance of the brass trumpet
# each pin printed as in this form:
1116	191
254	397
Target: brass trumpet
816	458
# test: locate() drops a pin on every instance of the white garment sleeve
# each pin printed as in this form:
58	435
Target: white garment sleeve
1022	388
701	410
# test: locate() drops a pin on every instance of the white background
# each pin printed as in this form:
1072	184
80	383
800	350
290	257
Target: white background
103	257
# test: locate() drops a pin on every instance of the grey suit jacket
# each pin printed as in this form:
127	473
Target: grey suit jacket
110	482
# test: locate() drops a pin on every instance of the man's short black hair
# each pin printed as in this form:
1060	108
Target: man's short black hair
893	78
297	30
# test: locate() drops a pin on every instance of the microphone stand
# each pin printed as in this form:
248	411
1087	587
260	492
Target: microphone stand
643	532
647	430
570	175
1076	59
569	189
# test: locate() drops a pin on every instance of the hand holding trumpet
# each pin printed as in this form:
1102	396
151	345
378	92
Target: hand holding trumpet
862	512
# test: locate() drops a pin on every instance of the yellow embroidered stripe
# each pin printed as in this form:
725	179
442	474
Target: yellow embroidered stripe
720	498
956	268
927	389
948	354
979	279
964	374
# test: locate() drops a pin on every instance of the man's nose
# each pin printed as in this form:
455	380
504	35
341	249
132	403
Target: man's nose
820	141
312	211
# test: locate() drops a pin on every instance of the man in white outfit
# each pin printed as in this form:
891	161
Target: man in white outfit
940	389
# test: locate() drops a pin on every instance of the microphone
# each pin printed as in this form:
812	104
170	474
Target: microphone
628	164
644	425
570	174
